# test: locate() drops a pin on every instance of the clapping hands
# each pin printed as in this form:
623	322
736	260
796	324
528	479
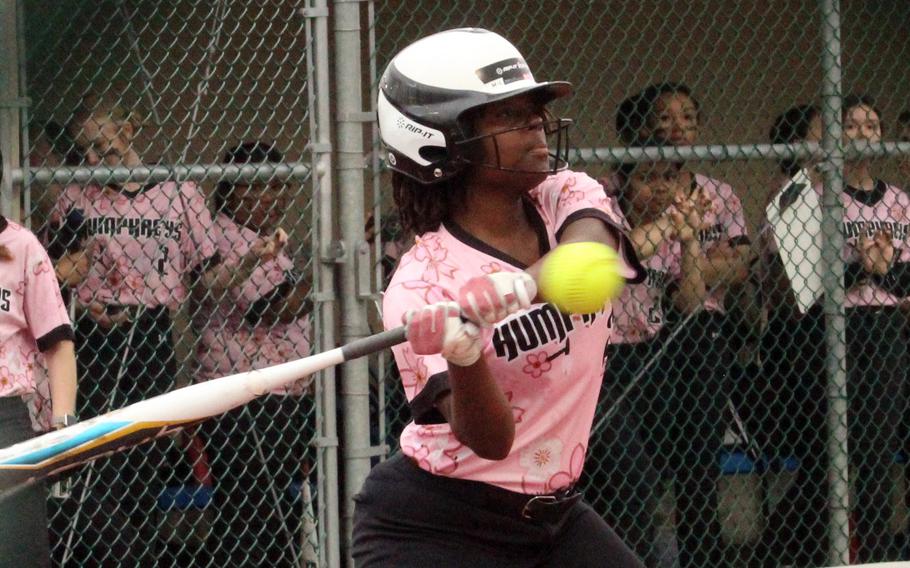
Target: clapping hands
876	252
688	214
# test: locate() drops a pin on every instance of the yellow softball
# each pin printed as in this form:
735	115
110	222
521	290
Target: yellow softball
580	278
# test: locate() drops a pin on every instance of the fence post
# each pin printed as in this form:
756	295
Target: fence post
835	367
10	103
320	90
350	119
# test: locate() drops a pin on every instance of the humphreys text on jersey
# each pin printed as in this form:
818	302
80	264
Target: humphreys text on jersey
538	327
854	229
139	228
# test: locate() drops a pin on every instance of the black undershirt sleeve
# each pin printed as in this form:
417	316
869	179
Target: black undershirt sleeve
423	406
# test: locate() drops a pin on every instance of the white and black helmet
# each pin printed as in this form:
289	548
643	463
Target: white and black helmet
429	86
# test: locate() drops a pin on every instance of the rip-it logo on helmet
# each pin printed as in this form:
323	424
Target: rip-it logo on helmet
504	72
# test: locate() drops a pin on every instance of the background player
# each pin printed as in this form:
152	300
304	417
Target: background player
146	246
651	421
258	322
502	413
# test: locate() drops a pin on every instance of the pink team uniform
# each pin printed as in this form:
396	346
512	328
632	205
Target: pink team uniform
142	245
229	343
867	212
553	396
639	310
33	317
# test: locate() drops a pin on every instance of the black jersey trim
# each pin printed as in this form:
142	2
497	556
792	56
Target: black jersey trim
423	406
55	336
628	251
3	223
133	194
740	240
868	198
537	224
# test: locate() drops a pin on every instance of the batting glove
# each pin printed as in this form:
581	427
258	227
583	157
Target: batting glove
488	299
438	328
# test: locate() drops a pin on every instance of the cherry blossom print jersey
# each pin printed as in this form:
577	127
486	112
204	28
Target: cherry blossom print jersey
549	365
142	245
229	342
33	317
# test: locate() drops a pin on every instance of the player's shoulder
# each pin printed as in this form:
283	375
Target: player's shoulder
714	185
895	192
19	239
567	178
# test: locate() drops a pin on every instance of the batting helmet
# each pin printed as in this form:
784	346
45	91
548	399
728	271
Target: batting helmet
429	86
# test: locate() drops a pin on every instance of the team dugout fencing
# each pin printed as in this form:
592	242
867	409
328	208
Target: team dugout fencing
743	430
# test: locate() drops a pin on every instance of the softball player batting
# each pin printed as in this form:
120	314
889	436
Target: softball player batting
503	400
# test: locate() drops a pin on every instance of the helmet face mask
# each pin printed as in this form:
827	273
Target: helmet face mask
431	88
552	126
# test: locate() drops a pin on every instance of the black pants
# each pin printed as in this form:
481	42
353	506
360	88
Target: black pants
23	516
257	455
670	426
620	478
408	518
877	359
117	523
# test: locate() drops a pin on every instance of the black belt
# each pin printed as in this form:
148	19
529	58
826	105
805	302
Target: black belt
548	509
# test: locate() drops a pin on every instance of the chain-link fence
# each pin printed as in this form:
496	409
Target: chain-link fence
738	429
198	115
152	144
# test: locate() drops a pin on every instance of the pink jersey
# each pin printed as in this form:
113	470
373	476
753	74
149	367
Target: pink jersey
32	315
550	366
867	212
142	244
638	313
229	343
726	222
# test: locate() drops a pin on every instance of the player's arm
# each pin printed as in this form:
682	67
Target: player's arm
585	229
692	288
648	236
478	411
220	276
473	405
61	370
726	263
286	303
71	268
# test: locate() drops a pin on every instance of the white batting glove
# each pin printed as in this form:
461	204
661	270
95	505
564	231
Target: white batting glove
488	299
438	328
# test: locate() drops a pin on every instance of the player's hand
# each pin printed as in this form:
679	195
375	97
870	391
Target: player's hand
488	299
688	215
438	328
106	318
267	248
876	252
